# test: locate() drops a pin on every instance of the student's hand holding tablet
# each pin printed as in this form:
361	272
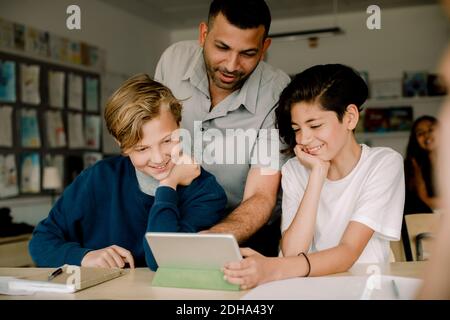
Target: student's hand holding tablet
254	270
109	257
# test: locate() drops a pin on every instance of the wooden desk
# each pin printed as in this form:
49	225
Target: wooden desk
14	251
136	285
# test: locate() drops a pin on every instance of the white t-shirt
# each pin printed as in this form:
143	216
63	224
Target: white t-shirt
373	193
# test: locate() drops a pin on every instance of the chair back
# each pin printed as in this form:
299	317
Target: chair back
421	228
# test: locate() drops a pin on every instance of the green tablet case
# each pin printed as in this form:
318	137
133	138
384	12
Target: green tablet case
192	279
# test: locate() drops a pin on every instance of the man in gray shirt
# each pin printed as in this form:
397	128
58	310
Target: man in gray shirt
229	95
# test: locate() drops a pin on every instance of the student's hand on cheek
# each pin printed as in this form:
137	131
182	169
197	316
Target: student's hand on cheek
182	173
253	270
311	162
109	257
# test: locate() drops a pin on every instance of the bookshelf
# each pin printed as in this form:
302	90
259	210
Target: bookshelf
66	144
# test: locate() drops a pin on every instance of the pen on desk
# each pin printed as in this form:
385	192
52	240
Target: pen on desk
55	273
395	288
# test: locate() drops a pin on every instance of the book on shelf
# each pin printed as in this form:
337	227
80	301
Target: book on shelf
19	36
7	81
92	131
29	129
391	119
6	130
376	120
29	84
30	173
415	83
436	85
386	88
56	81
56	134
91	89
75	94
57	161
8	176
6	34
400	118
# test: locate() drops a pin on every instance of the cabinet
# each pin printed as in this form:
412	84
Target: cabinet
398	140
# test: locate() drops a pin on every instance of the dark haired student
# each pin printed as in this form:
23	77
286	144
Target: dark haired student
342	201
230	94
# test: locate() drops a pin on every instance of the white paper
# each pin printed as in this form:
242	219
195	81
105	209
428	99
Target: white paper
337	288
76	136
6	290
56	88
29	75
75	92
6	139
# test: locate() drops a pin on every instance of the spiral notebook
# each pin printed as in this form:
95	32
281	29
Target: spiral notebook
71	279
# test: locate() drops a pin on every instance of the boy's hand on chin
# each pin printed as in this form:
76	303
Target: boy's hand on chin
183	173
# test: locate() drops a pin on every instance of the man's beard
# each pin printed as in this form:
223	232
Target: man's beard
239	81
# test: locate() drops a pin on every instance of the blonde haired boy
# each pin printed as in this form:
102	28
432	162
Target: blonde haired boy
101	218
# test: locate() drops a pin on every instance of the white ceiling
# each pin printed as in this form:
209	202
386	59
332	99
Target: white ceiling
178	14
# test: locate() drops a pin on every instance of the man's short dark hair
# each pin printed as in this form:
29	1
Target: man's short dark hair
244	14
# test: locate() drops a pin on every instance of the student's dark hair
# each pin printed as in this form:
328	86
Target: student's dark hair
415	152
244	14
333	86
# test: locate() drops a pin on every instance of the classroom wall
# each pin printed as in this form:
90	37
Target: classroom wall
132	45
411	38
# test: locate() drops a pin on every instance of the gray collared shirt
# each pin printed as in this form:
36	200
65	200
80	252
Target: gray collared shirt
228	140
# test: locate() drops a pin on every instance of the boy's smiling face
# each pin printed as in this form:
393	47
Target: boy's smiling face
318	131
152	155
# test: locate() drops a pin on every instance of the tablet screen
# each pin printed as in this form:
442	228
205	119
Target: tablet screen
193	250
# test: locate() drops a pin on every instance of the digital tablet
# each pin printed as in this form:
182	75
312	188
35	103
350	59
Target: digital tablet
193	250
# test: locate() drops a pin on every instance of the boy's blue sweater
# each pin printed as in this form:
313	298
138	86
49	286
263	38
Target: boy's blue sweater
104	206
